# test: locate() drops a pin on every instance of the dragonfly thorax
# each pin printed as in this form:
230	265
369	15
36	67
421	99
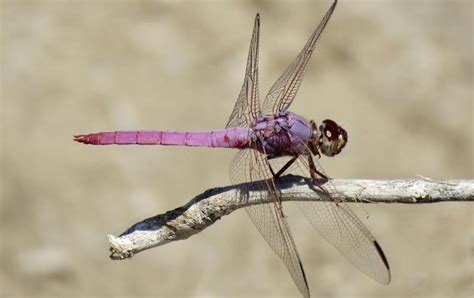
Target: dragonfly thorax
284	134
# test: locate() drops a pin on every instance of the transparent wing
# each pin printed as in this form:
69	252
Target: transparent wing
338	224
247	106
252	166
284	90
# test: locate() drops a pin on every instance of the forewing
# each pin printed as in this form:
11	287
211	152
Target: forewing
252	166
338	224
284	90
247	106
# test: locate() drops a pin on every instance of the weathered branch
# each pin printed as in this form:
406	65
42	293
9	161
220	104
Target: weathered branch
208	207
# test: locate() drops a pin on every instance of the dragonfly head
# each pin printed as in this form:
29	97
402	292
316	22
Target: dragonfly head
331	138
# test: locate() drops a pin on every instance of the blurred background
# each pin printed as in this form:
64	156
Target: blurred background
397	74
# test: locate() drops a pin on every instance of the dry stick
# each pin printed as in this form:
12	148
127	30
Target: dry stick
208	207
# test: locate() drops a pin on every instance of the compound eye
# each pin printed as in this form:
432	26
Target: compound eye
331	129
328	134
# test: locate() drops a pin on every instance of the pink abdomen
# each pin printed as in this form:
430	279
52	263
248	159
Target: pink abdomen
225	138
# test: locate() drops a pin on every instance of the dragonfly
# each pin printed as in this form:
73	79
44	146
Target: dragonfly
272	142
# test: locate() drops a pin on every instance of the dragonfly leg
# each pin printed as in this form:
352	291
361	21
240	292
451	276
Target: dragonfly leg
314	175
314	171
277	175
271	169
281	171
284	168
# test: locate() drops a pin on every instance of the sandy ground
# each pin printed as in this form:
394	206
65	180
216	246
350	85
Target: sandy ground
397	74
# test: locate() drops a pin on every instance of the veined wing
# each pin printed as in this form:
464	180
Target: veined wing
285	88
338	224
252	166
247	106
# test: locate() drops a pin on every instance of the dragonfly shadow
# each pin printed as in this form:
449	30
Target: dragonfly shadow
244	191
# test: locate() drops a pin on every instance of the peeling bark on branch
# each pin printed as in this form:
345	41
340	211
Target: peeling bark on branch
208	207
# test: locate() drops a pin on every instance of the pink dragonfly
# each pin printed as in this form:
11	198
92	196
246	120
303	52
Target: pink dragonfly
273	141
